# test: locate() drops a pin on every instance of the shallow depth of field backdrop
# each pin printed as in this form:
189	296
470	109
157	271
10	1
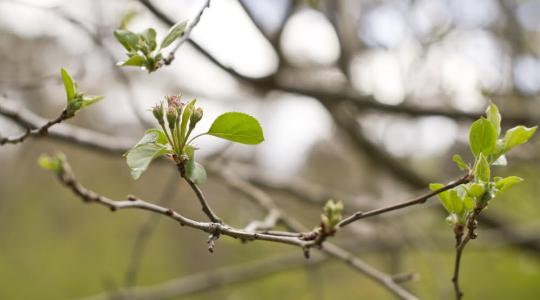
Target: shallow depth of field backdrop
367	102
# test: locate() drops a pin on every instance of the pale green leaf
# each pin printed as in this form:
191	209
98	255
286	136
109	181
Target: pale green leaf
128	39
186	114
507	182
175	32
443	196
482	137
460	162
237	127
89	100
68	85
149	37
482	171
517	136
494	117
151	146
134	61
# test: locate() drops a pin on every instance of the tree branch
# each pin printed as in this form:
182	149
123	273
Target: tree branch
39	131
419	200
185	35
263	200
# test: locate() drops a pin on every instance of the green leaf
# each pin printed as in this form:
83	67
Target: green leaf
186	114
149	37
127	18
468	204
157	136
482	171
482	137
134	61
476	190
89	100
68	85
128	39
175	32
494	117
443	196
237	127
150	147
507	182
457	203
517	136
460	162
194	171
52	163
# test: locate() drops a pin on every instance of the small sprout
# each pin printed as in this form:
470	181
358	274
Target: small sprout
75	100
174	139
332	216
172	117
196	116
157	111
142	49
489	150
53	163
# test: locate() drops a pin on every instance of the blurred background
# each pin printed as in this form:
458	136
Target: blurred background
363	101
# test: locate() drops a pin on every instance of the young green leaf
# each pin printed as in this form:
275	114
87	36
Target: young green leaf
517	136
53	163
493	115
186	114
127	18
89	100
460	162
476	190
482	137
443	196
237	127
134	61
482	171
457	203
68	85
151	146
128	39
140	157
468	204
175	32
194	171
149	37
507	182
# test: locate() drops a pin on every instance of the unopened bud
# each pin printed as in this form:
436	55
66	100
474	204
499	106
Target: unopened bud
174	102
157	111
172	116
196	116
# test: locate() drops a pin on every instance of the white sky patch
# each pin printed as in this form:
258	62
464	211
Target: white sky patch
226	31
308	38
383	26
378	72
419	137
292	124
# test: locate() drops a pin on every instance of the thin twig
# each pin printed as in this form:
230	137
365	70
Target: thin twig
68	179
40	131
187	32
419	200
457	263
263	200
